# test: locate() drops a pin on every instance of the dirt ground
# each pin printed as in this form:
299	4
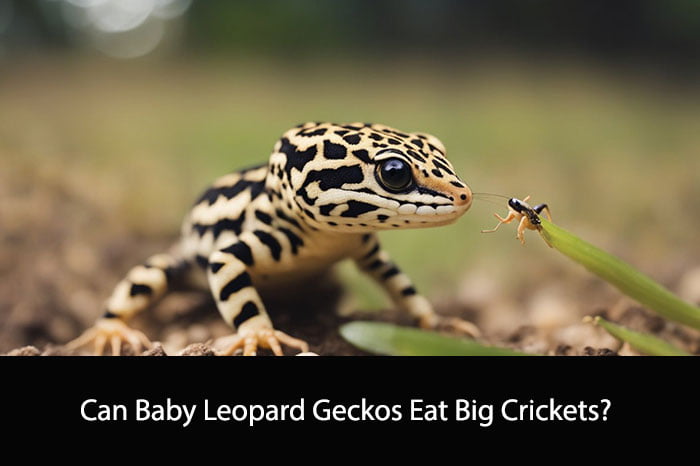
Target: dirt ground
63	252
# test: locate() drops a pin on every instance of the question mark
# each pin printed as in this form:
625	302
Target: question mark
607	407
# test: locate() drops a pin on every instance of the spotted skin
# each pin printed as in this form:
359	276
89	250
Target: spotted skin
320	199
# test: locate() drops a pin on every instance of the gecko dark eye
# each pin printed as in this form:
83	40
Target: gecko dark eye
394	174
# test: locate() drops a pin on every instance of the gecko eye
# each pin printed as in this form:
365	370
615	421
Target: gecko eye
394	174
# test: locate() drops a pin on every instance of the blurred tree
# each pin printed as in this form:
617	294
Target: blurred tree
639	30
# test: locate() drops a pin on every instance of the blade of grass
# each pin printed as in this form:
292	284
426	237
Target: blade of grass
642	342
622	275
381	338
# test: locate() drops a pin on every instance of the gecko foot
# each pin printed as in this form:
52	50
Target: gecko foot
450	324
264	338
112	331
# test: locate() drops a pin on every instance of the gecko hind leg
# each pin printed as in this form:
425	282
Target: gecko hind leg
114	332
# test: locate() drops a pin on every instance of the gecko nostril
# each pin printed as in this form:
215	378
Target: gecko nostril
465	198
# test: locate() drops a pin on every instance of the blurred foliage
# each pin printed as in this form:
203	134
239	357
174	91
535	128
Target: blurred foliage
663	31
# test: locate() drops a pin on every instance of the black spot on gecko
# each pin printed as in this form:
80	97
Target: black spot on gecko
281	215
375	264
410	291
216	266
330	178
263	217
457	184
235	285
309	214
434	149
137	289
296	158
341	132
294	240
424	190
362	155
417	142
372	252
249	310
307	134
382	218
268	240
335	151
394	142
357	208
240	251
352	139
225	224
442	167
327	208
390	273
202	261
376	136
436	172
229	192
415	155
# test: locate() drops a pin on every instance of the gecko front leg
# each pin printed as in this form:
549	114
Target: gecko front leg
139	290
240	304
376	262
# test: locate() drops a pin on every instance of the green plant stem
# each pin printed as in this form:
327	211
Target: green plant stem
622	275
381	338
642	342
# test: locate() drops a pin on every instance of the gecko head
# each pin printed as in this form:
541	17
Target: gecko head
363	177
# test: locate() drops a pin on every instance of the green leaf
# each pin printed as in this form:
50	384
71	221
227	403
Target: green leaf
622	275
381	338
642	342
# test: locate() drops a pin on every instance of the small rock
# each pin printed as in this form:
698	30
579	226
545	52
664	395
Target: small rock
198	349
156	350
25	351
590	351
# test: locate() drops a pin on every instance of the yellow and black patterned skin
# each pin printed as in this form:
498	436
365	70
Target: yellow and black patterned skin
324	193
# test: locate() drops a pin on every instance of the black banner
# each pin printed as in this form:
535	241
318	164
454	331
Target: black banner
275	395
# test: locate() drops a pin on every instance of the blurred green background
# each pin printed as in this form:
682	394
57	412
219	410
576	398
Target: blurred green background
590	106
